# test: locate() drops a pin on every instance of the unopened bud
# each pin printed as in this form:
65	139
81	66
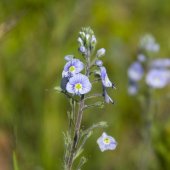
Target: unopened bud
101	52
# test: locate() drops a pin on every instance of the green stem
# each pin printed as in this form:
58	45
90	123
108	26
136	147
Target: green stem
147	126
76	137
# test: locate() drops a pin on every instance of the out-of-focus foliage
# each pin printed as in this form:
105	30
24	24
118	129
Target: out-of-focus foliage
34	37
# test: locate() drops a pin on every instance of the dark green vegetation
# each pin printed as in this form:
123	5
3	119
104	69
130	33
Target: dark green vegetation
35	35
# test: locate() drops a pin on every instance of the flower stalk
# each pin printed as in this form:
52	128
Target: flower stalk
75	86
79	117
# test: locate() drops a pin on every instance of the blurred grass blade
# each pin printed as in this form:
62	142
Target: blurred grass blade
15	162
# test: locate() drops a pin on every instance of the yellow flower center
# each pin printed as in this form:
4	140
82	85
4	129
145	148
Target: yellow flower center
72	68
78	86
157	79
106	140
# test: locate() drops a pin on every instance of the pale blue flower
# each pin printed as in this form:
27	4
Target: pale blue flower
105	80
101	52
72	67
158	78
99	63
148	43
161	63
106	142
135	71
78	84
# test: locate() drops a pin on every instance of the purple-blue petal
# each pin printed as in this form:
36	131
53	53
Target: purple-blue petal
105	80
78	67
157	78
135	71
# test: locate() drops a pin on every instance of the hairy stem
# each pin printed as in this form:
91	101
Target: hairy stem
76	137
76	133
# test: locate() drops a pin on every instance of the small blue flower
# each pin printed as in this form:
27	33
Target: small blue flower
135	71
148	43
72	67
99	63
105	80
161	63
106	142
157	78
78	84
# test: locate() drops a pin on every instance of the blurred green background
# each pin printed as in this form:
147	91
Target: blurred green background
35	35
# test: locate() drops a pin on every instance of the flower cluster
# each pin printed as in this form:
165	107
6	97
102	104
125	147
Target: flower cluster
77	80
72	80
155	72
87	41
148	43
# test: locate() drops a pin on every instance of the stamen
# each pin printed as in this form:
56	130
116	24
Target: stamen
78	86
106	140
72	68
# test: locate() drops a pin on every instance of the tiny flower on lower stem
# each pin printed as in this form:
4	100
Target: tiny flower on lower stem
135	71
105	80
78	84
72	67
106	142
157	78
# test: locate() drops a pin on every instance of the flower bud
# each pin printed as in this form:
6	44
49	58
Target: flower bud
82	35
101	52
99	63
93	40
82	49
80	41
